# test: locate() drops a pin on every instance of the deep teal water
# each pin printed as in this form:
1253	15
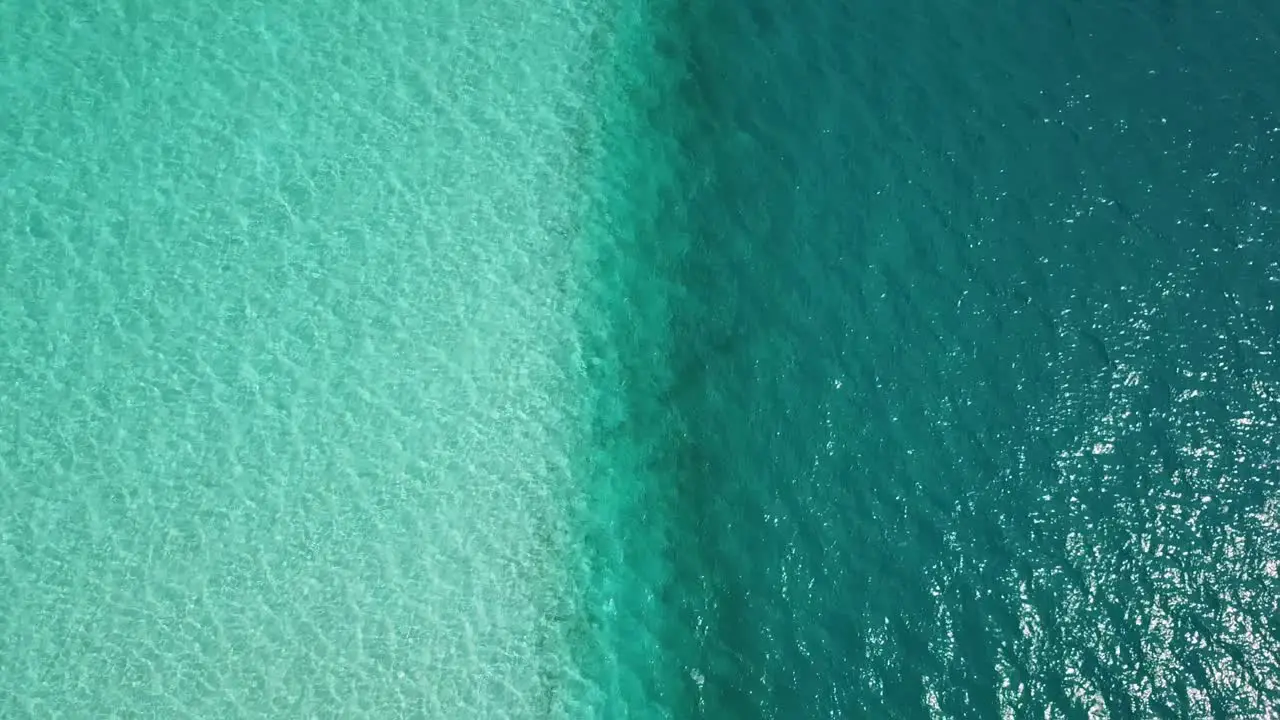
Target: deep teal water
980	388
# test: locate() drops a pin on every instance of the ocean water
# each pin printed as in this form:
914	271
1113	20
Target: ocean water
300	319
639	360
981	379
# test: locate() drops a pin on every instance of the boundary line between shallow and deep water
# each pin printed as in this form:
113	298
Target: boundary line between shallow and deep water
632	632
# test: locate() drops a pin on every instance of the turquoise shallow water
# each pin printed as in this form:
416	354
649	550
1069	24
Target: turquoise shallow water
720	360
305	321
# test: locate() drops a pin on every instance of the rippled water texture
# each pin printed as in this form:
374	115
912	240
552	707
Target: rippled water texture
721	360
293	383
986	423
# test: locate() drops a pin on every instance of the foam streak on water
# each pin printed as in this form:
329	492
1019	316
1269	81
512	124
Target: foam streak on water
286	307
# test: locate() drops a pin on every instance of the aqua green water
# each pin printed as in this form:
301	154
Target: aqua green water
293	383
